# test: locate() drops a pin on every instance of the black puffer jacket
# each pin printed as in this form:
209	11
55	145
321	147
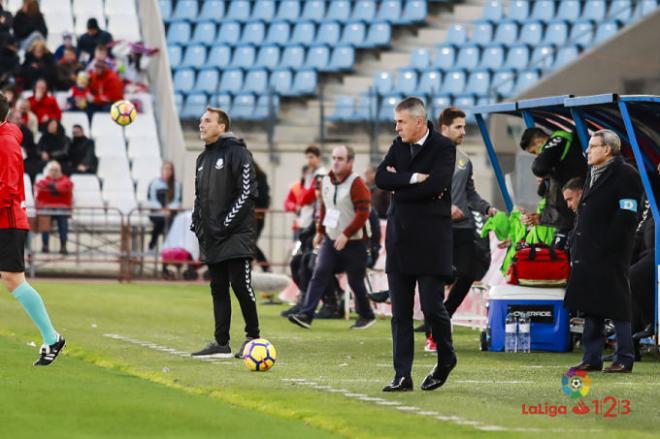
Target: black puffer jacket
225	193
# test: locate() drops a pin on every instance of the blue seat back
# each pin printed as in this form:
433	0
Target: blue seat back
293	57
353	34
531	33
318	57
569	10
175	55
239	10
445	56
278	33
456	34
430	82
268	57
525	80
492	57
420	59
503	82
379	35
254	33
506	33
264	10
383	82
219	56
342	59
256	81
303	33
313	10
204	33
582	33
244	57
454	82
605	31
594	10
566	55
414	11
543	57
207	81
185	10
195	56
517	57
518	10
184	80
213	10
232	81
621	10
289	10
281	81
328	33
543	10
406	82
229	33
556	33
468	57
482	33
305	82
493	10
243	106
338	10
178	33
364	10
194	106
390	10
478	83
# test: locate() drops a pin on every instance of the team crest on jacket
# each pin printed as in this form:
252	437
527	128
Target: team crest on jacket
220	163
461	164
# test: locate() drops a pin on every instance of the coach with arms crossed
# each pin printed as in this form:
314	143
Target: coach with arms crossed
418	169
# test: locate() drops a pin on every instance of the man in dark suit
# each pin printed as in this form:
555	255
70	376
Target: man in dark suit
601	249
418	170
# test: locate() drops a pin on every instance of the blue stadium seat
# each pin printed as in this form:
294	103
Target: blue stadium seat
582	33
517	57
482	33
219	56
232	81
383	83
605	31
178	33
379	35
620	10
264	10
468	57
194	56
493	10
281	81
344	108
305	83
303	33
531	33
262	107
338	10
420	59
289	10
204	33
222	100
485	100
328	33
645	7
414	11
387	106
503	82
566	55
456	34
268	57
543	57
256	81
466	103
185	10
318	57
518	10
165	7
525	80
313	11
243	106
207	81
492	57
594	10
453	83
439	103
444	57
194	106
390	10
406	82
174	54
229	33
178	102
278	33
506	33
364	10
543	10
342	59
244	57
184	80
354	34
239	10
556	33
254	33
430	83
478	82
569	10
293	57
213	10
366	108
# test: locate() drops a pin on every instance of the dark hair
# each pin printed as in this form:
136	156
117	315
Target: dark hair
223	117
170	181
530	135
101	47
4	107
450	114
574	184
313	149
92	23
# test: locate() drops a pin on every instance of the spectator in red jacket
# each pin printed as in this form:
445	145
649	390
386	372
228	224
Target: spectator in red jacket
55	193
43	104
106	87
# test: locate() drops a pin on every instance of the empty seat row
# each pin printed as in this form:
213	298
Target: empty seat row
394	11
282	81
81	8
321	58
281	33
244	106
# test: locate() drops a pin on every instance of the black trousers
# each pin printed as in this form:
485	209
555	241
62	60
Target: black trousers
261	257
160	223
402	296
465	254
642	288
593	341
238	273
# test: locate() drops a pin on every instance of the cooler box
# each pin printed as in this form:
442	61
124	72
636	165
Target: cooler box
550	322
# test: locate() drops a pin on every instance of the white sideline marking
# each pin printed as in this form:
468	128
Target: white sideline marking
492	382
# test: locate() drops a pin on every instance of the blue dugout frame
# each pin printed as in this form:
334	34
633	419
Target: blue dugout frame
634	118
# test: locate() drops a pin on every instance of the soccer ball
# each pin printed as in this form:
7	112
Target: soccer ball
123	112
259	355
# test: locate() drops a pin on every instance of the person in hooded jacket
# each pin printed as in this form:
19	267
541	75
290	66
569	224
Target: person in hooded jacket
53	144
225	224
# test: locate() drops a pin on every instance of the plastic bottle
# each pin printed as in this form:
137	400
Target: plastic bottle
510	333
524	333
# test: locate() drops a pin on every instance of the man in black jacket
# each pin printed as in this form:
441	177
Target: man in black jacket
601	249
225	224
418	169
81	158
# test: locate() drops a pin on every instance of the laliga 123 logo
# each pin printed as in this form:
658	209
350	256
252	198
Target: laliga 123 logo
576	383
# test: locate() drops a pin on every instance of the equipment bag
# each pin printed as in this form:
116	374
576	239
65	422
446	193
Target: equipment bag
539	266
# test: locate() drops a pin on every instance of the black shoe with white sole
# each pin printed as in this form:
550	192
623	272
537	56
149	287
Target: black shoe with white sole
48	354
363	323
239	353
213	350
302	320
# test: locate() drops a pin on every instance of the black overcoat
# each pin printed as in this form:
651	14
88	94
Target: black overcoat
419	226
602	243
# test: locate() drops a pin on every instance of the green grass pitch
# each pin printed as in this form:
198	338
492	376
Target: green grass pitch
326	382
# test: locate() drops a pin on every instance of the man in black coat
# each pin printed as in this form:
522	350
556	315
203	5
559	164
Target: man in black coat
601	249
418	169
225	224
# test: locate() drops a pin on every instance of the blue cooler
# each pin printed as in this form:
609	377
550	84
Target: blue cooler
550	322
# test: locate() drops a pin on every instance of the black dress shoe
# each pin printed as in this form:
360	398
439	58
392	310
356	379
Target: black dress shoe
587	367
438	376
617	368
399	384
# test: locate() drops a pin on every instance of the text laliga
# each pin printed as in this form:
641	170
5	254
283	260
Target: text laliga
546	409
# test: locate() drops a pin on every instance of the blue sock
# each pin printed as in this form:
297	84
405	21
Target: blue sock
35	308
